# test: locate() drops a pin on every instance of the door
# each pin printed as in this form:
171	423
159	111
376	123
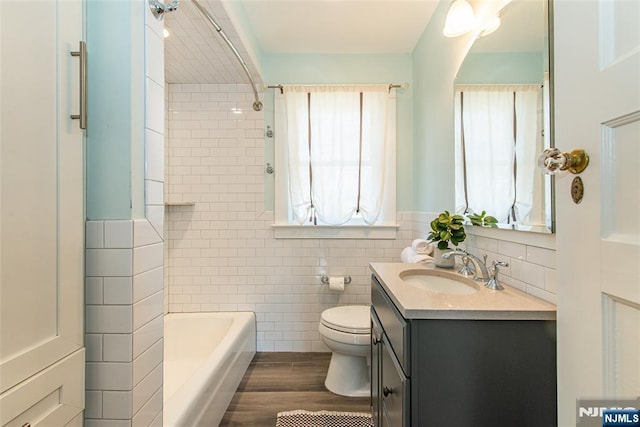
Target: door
597	107
41	212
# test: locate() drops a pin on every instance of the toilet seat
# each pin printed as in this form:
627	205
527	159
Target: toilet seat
351	319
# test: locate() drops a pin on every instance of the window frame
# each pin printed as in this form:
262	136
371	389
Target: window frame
387	228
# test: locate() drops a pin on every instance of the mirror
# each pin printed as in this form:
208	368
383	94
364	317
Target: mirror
503	121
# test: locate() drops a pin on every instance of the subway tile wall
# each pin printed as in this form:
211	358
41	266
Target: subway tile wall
222	255
123	327
220	251
531	256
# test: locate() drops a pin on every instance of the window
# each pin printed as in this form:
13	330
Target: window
335	147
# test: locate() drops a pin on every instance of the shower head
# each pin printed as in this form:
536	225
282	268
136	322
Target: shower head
159	9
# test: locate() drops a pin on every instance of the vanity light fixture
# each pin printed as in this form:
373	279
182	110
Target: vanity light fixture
460	19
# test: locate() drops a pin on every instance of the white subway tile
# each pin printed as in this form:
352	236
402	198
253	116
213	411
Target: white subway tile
145	336
155	216
93	290
108	376
118	290
147	361
154	117
144	233
550	280
116	404
147	309
541	256
118	347
154	59
146	388
150	415
147	283
118	234
154	143
93	345
529	273
93	404
109	262
154	192
107	319
512	250
94	237
147	258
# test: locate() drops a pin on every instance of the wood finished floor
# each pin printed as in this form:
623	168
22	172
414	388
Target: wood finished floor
277	382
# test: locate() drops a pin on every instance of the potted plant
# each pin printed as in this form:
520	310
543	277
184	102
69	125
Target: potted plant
445	229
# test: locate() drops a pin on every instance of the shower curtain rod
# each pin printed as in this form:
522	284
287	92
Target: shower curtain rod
257	104
391	86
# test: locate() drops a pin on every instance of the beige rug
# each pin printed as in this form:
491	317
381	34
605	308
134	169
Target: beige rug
301	418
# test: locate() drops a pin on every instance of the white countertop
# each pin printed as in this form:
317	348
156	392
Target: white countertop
485	304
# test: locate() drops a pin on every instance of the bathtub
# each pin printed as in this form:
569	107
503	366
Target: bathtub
205	358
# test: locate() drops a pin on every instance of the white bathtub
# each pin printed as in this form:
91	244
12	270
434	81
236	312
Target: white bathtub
205	358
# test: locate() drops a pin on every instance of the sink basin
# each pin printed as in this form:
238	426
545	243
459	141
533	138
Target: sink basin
440	282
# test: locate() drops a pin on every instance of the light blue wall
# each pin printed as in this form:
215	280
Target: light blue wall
488	68
436	60
348	68
115	135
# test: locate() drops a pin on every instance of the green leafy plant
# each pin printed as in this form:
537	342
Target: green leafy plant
483	219
447	228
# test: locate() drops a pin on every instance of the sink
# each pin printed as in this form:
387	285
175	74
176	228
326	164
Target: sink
438	281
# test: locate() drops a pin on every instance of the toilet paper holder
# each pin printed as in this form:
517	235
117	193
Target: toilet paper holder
325	280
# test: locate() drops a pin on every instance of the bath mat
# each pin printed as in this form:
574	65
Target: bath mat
301	418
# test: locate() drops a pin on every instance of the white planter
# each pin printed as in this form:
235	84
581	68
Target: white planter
439	261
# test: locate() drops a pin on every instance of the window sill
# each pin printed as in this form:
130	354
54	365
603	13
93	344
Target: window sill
288	231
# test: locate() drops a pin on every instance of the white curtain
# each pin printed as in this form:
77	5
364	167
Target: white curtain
497	128
336	141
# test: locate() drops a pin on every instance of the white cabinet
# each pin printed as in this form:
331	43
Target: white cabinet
41	214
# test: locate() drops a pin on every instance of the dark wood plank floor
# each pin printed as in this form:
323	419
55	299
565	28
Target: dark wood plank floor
277	382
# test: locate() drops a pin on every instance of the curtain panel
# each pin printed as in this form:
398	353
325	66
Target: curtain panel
336	141
497	135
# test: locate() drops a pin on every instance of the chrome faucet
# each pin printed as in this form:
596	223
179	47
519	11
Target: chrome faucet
480	265
490	279
493	282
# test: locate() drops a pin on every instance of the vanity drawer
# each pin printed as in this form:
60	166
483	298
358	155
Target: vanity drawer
395	327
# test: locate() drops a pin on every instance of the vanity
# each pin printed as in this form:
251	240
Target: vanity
446	351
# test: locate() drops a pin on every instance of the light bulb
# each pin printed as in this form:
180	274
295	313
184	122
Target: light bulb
460	19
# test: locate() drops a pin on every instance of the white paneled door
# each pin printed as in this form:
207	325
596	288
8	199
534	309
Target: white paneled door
41	214
597	102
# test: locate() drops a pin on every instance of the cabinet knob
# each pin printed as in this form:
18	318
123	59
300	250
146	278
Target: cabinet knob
386	391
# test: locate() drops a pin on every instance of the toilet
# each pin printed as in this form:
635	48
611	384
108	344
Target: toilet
346	331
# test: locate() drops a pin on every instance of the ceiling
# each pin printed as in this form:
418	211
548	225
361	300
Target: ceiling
334	26
195	53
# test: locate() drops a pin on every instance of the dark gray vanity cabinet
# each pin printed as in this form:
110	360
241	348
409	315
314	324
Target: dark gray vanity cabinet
451	372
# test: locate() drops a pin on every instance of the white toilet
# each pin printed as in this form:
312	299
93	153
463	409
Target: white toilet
346	331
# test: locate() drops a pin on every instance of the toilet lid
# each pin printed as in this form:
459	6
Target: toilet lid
354	319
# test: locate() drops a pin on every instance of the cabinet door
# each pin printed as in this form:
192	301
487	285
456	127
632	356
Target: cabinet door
394	389
376	368
41	189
